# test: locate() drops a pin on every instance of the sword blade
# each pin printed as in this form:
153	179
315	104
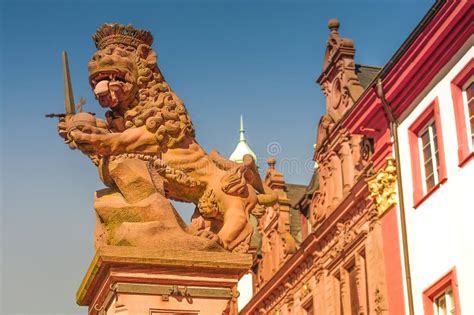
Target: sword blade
68	96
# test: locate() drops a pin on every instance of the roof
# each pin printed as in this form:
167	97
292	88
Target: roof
242	147
310	188
294	193
314	183
366	74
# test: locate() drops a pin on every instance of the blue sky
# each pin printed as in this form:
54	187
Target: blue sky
223	58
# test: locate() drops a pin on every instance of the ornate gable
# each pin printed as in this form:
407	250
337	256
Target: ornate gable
341	155
338	80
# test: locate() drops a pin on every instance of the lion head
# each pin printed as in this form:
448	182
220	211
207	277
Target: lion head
125	78
113	76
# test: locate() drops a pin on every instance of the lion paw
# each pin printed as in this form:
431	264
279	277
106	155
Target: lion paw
210	235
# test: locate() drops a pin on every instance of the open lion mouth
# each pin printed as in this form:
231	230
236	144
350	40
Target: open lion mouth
110	87
108	76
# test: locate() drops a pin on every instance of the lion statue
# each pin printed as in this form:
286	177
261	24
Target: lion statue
146	153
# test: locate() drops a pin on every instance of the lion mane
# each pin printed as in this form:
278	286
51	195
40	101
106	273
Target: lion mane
156	106
159	108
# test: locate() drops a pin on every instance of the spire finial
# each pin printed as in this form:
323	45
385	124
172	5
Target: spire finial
242	147
271	163
333	25
242	131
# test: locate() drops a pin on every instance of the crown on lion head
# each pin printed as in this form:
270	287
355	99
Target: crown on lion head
113	33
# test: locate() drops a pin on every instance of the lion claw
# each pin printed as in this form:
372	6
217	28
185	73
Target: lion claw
209	235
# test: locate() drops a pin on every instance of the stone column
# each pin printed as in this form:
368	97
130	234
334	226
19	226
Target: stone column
347	164
335	179
333	295
376	283
361	284
345	291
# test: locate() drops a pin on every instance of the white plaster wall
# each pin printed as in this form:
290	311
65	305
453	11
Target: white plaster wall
441	230
245	288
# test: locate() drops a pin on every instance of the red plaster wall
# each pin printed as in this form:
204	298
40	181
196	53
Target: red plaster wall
393	264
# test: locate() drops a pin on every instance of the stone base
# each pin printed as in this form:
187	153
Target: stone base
133	280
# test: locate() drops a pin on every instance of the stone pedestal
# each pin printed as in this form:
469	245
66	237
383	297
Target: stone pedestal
131	280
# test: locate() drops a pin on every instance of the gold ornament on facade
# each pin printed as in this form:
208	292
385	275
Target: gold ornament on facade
382	187
305	290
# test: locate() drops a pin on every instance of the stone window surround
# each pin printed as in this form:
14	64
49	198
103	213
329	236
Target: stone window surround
465	76
308	304
355	260
432	112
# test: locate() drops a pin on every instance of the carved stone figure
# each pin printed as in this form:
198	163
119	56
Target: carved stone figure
146	153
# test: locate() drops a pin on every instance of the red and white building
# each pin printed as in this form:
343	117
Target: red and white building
386	220
430	90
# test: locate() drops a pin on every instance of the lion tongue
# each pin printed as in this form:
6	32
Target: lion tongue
101	88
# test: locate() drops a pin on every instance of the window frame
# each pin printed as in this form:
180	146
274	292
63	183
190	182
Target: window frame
434	291
431	113
341	274
464	77
434	154
307	304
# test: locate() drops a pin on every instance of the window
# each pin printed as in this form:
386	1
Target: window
469	95
427	153
444	303
463	101
442	297
353	289
351	281
309	309
430	155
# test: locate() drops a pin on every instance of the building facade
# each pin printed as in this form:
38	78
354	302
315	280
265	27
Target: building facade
383	226
338	265
436	125
437	186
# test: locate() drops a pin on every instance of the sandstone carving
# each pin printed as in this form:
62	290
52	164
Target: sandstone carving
339	82
146	153
339	166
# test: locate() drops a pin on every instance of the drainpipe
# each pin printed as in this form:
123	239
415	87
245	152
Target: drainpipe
394	133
